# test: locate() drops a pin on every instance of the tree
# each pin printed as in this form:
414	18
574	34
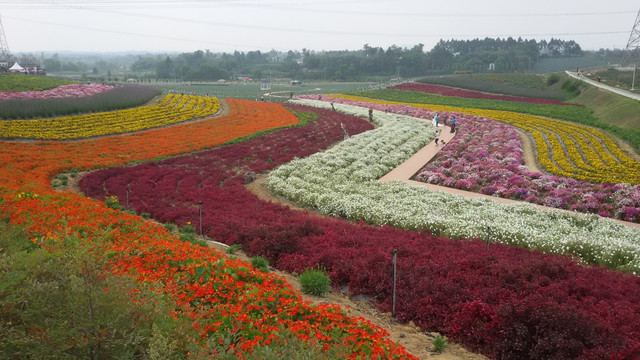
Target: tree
165	70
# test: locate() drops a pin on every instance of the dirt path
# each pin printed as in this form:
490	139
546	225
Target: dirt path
529	152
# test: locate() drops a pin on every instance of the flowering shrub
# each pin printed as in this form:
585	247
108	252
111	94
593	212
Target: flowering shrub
450	91
507	302
64	91
563	148
229	304
173	109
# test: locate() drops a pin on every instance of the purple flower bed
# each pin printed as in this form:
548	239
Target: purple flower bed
486	157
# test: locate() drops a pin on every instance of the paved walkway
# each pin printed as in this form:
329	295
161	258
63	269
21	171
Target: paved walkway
612	89
405	171
411	166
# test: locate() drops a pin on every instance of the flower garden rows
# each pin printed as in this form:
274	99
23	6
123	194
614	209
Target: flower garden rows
565	149
450	91
75	90
226	300
172	109
508	302
342	182
487	158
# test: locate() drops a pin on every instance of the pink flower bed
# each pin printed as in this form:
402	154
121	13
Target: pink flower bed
64	91
507	302
450	91
486	157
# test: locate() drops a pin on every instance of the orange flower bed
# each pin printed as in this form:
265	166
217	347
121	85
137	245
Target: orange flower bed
225	299
29	165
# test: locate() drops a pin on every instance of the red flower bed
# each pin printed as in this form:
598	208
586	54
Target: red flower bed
507	302
450	91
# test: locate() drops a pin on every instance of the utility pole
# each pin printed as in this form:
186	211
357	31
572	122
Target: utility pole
633	44
4	48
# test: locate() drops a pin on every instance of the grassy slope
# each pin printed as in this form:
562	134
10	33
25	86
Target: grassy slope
611	108
19	83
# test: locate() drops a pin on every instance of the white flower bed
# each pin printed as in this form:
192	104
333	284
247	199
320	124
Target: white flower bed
343	182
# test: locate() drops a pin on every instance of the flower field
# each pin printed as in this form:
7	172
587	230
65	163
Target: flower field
563	148
171	110
231	305
487	158
342	182
63	91
507	302
449	91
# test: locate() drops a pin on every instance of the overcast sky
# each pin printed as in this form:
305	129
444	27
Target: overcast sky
245	25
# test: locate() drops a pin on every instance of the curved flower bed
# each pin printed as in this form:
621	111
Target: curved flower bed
64	91
342	182
507	302
486	157
228	302
450	91
172	109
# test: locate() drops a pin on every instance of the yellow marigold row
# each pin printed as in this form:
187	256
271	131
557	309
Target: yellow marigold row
563	148
168	111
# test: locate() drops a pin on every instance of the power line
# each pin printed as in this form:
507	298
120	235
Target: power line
326	32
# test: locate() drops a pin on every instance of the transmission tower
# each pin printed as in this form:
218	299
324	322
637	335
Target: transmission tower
4	47
631	51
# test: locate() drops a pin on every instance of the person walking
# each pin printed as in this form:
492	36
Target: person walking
437	120
437	136
453	124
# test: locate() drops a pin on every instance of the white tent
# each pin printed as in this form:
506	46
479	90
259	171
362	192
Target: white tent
16	68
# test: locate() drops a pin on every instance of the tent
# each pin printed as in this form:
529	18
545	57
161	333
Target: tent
16	68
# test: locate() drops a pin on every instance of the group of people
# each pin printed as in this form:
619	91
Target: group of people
436	123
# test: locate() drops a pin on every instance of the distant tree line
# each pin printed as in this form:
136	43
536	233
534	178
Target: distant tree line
477	55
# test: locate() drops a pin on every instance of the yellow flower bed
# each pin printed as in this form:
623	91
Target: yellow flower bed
171	109
563	148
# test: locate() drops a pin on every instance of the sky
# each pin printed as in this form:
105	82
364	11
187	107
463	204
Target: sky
317	25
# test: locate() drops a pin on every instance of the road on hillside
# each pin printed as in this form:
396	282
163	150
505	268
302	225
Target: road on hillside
612	89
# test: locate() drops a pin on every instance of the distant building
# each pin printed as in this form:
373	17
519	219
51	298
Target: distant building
265	85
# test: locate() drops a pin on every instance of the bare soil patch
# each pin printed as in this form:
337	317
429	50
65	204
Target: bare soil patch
529	152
